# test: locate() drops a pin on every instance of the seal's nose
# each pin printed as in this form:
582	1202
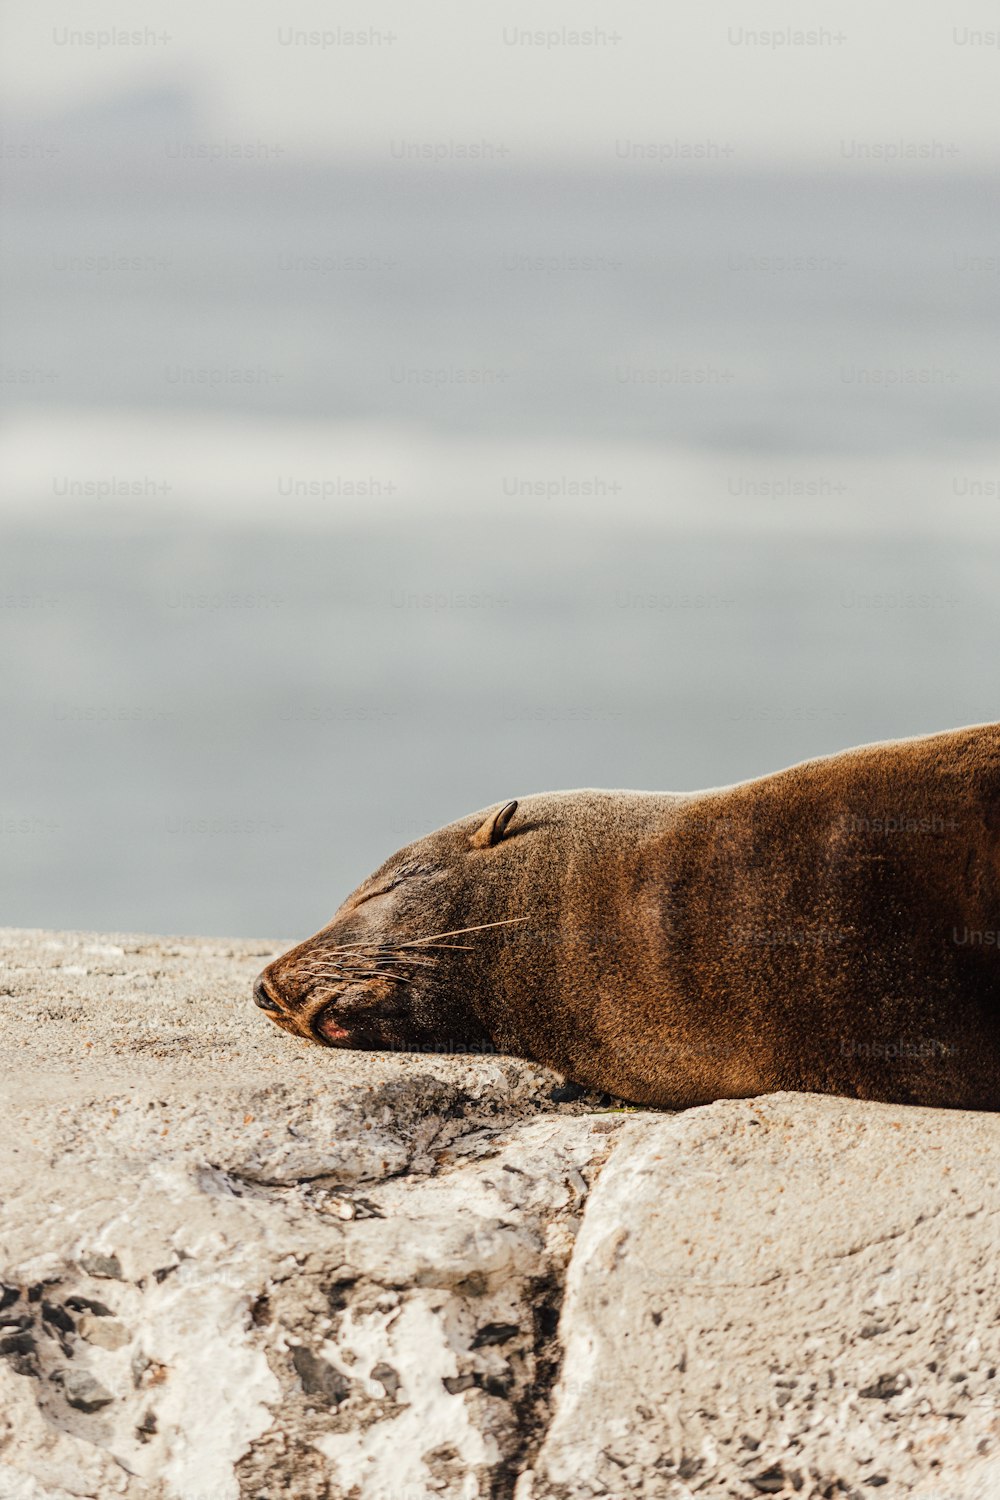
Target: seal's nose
261	995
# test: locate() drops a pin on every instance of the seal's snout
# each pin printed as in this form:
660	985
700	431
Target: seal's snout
262	995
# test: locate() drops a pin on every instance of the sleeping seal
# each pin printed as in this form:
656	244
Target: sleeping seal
834	927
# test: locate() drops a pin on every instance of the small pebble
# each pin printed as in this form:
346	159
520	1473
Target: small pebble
387	1378
106	1266
107	1333
84	1392
494	1333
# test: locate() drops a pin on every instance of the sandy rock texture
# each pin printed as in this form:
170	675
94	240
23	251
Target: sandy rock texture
236	1267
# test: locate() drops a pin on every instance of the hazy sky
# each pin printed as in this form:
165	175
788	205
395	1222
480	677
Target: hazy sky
835	85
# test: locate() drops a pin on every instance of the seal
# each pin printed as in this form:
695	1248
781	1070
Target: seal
833	927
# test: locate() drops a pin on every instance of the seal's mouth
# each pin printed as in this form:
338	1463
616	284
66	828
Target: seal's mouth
327	1030
323	1027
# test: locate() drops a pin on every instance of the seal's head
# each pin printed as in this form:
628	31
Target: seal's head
397	964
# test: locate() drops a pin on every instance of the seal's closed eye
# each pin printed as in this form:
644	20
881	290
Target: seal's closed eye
394	879
383	890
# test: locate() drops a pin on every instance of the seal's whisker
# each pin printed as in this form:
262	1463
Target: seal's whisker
324	979
318	961
448	948
460	931
431	936
404	958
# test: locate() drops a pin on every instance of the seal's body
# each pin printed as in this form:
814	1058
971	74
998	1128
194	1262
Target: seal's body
834	927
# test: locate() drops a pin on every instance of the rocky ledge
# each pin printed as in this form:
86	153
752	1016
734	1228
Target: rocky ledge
235	1267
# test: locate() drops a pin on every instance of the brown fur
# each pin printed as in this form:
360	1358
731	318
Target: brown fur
673	949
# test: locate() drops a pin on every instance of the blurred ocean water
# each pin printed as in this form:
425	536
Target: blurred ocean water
337	505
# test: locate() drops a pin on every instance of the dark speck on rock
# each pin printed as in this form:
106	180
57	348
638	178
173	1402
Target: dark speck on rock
566	1093
17	1343
456	1383
11	1321
260	1311
547	1321
87	1304
337	1293
770	1482
495	1385
58	1317
884	1388
318	1376
494	1333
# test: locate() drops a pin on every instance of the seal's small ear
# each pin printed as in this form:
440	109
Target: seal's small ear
493	829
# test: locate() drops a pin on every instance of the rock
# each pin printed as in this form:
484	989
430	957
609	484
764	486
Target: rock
84	1392
334	1273
387	1379
106	1333
107	1266
318	1377
258	1342
453	1384
729	1263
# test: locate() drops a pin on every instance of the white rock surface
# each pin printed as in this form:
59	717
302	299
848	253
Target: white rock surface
237	1267
794	1292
